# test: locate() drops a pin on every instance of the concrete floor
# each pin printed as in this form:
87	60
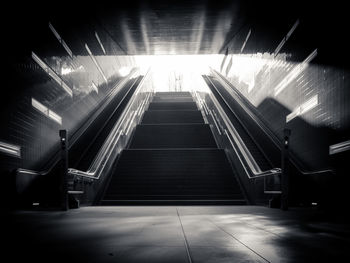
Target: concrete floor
174	234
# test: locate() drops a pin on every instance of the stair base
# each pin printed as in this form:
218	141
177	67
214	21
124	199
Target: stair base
173	202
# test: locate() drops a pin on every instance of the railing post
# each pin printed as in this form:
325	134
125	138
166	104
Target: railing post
285	170
64	170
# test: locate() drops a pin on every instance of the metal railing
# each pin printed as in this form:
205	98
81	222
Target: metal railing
118	137
246	159
274	139
76	135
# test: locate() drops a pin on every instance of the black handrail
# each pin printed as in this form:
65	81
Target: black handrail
76	135
106	149
249	160
262	125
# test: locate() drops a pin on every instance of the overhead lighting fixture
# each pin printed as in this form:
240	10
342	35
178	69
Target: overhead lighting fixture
339	147
10	149
46	111
54	116
52	74
295	72
70	53
99	41
246	40
96	63
303	108
285	39
229	65
224	60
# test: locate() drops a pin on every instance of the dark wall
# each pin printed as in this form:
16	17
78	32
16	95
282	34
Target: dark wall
325	80
34	132
313	131
325	77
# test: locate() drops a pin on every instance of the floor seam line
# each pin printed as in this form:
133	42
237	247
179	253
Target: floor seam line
185	238
239	241
262	229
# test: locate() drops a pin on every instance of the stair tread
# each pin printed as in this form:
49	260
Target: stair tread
172	95
172	99
173	136
181	172
173	157
172	106
171	116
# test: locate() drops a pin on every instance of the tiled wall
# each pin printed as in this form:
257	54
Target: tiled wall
37	134
320	93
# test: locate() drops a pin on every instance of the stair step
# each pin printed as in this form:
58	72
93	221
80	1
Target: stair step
172	106
173	94
169	116
163	200
173	159
179	174
172	99
173	136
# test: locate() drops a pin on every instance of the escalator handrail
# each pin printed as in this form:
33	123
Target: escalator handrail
76	135
235	94
228	87
247	131
102	157
254	168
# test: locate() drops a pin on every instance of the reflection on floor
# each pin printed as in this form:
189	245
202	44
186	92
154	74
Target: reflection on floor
174	234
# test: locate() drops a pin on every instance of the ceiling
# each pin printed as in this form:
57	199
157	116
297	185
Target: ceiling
135	27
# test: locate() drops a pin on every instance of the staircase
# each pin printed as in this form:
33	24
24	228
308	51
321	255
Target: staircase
173	159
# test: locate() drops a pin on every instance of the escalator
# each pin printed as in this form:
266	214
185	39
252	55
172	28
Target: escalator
173	152
43	187
250	140
100	129
265	148
172	157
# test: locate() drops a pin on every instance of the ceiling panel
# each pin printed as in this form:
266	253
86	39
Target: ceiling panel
153	27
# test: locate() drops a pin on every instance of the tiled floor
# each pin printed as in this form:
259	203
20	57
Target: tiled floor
174	234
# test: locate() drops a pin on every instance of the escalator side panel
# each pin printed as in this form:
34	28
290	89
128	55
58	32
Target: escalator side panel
100	130
243	131
271	152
